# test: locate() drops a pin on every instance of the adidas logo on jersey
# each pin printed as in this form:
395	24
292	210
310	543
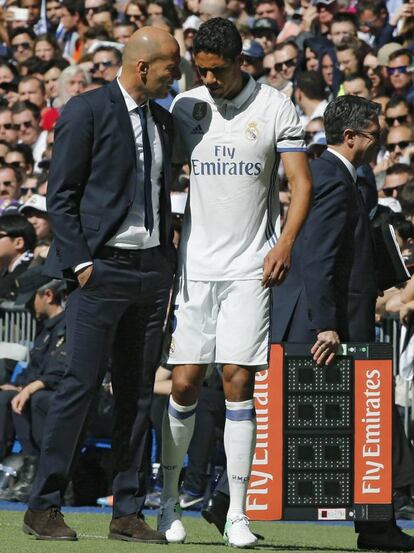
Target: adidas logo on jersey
197	130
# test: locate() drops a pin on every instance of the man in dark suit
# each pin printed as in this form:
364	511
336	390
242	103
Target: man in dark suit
330	292
108	201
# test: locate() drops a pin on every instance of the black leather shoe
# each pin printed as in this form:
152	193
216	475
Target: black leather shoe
216	511
393	540
47	525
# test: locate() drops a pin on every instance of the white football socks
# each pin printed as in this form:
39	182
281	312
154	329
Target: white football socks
177	431
239	444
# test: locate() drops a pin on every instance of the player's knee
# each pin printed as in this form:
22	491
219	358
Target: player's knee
184	391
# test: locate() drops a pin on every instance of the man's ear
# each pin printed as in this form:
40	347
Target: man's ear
142	67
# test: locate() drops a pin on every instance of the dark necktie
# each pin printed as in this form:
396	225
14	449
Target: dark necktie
149	216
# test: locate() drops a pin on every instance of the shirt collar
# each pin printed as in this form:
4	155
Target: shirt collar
346	162
129	101
242	96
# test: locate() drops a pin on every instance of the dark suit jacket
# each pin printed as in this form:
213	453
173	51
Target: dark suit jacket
93	176
332	282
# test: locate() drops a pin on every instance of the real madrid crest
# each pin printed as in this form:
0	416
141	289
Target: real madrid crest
252	131
199	110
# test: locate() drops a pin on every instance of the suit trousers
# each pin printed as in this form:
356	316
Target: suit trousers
118	314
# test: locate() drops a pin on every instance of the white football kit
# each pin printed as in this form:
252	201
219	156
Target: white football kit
231	220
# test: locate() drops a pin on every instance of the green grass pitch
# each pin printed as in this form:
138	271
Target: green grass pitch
202	537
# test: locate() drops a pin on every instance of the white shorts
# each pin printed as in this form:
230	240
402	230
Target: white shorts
220	322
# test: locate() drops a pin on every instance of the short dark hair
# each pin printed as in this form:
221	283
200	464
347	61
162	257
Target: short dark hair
23	30
112	49
26	152
348	112
404	228
373	5
282	45
354	76
279	3
399	169
311	85
19	107
345	17
59	63
56	286
218	36
17	225
401	52
406	198
395	101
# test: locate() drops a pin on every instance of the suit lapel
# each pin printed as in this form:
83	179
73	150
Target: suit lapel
123	119
332	158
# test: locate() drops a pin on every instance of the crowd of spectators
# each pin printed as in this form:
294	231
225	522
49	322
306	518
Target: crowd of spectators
310	50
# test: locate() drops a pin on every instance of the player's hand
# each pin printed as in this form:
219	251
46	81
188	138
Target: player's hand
18	402
276	264
325	347
9	387
84	275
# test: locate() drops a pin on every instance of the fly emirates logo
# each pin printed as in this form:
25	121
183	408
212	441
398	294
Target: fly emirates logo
225	164
373	423
371	448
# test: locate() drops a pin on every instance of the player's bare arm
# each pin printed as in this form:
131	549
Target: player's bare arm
277	261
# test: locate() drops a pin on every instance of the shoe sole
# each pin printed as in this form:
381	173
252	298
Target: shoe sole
248	546
123	537
31	532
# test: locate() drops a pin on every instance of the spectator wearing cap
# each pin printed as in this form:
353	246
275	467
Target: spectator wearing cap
264	31
17	242
106	62
8	131
310	96
190	28
253	60
26	118
35	212
356	84
22	44
271	9
30	395
10	182
400	74
343	27
375	22
398	112
326	9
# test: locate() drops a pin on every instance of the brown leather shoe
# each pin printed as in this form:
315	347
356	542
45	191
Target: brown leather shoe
47	525
134	528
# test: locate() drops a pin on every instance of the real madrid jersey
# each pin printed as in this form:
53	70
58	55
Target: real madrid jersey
232	146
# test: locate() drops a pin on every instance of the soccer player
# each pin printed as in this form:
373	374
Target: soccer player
232	131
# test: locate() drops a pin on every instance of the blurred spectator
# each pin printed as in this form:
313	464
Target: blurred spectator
265	32
26	118
46	47
35	212
106	62
343	27
399	144
396	177
357	85
286	56
399	70
271	9
350	55
135	12
8	130
17	242
372	70
32	90
122	31
310	96
253	55
72	81
22	44
71	27
53	13
212	8
10	182
398	112
53	70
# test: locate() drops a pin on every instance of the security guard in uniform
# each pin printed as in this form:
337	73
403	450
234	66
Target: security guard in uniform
29	397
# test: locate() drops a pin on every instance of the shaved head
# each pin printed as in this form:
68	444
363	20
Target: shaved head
148	44
150	64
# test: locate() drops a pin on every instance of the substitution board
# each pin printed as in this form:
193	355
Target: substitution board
323	448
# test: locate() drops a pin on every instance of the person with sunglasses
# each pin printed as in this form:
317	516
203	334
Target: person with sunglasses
399	144
22	44
396	177
26	120
93	7
106	63
8	131
286	60
400	74
398	112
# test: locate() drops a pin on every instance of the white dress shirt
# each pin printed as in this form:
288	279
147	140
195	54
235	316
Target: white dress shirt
346	162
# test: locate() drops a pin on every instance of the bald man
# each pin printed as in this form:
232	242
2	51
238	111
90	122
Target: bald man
108	202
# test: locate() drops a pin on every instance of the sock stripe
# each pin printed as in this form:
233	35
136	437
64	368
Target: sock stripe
180	414
240	414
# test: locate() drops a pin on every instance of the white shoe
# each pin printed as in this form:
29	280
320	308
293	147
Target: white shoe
169	522
237	532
